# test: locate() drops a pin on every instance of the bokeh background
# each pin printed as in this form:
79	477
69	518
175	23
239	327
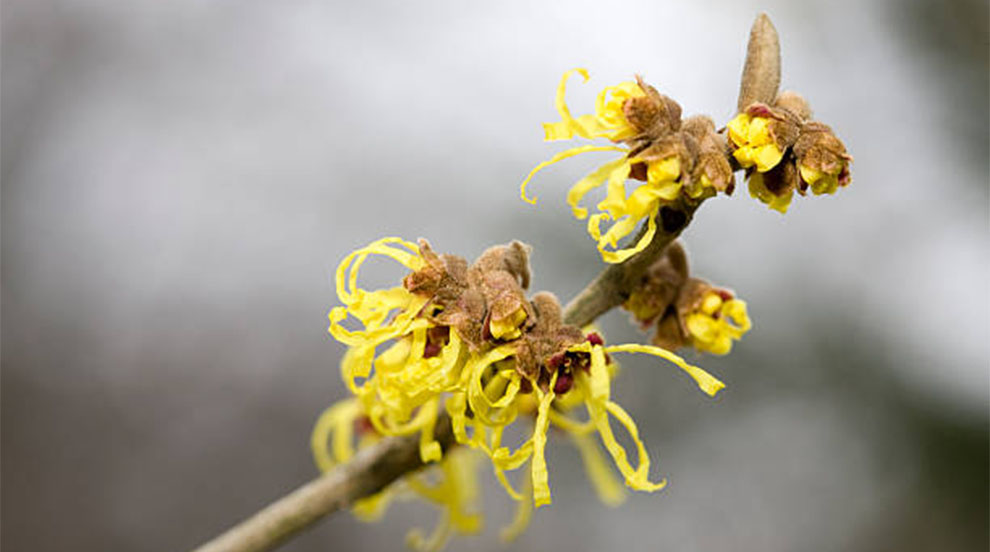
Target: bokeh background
180	179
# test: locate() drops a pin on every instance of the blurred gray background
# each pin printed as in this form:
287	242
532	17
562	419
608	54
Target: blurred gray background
181	178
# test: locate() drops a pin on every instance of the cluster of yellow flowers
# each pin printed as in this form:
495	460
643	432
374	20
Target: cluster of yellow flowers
783	151
675	158
418	349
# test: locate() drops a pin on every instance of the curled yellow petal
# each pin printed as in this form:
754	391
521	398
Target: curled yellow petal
738	129
508	327
599	408
706	382
601	476
338	422
524	511
541	485
590	182
615	197
566	154
586	126
406	254
623	254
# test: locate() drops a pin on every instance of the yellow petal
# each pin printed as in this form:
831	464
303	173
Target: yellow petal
524	512
557	158
338	421
608	488
758	132
508	327
767	157
706	382
590	182
665	170
615	196
758	190
623	254
541	486
711	303
739	129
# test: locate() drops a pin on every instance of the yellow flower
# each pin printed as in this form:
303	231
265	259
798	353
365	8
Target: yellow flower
608	121
717	321
755	146
675	159
822	159
820	182
759	190
784	152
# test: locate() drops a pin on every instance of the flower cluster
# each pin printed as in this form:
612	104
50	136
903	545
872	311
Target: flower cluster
464	338
675	158
686	310
783	151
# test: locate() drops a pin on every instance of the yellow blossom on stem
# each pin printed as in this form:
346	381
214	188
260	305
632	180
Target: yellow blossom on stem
670	160
784	152
716	322
754	144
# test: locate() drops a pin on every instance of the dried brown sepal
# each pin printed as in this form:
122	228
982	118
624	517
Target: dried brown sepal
669	333
820	149
548	339
784	126
660	285
794	103
710	160
469	298
653	115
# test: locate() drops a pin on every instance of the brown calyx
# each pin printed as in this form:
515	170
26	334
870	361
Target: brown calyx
468	298
546	339
819	148
659	286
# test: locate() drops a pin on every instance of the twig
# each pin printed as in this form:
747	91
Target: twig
375	468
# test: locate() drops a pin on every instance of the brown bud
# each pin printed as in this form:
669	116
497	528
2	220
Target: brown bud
653	115
761	72
659	286
512	258
547	338
794	103
669	334
711	162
